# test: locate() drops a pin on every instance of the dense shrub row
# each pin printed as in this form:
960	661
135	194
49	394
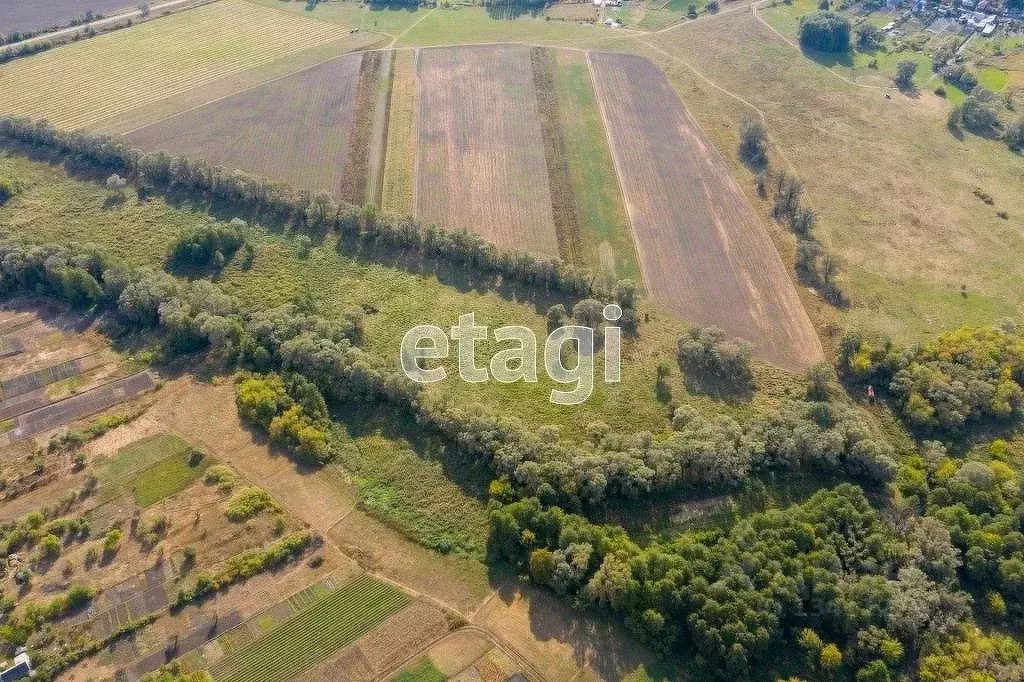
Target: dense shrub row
961	378
245	565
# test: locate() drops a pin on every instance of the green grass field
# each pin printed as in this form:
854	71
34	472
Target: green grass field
165	478
464	24
422	670
605	231
411	483
153	468
312	634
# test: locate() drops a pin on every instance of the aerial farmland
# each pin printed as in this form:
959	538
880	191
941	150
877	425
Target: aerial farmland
293	294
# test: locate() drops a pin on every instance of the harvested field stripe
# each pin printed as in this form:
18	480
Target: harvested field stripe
379	133
354	178
313	634
480	157
81	405
400	157
563	202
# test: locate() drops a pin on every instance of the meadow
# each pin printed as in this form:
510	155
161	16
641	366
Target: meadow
851	146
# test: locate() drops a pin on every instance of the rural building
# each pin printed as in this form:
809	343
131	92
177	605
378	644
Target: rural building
21	668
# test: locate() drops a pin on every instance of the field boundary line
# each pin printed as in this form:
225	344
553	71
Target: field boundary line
619	174
242	91
417	123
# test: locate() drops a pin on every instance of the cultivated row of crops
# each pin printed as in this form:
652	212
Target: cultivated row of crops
311	635
95	79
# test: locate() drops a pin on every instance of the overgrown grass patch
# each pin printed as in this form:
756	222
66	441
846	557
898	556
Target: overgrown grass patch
421	670
152	468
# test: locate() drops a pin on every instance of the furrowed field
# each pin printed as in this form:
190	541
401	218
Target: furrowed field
704	253
480	162
295	129
312	634
36	16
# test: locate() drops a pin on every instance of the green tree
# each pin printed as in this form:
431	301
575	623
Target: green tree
905	72
825	31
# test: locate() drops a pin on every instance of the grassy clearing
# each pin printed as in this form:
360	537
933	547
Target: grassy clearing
153	468
165	478
313	634
366	17
397	195
413	484
422	670
95	79
607	240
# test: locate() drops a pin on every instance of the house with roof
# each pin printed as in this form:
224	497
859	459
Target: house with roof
20	669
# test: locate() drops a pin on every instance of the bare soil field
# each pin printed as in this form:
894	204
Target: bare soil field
19	16
85	83
704	253
481	163
295	129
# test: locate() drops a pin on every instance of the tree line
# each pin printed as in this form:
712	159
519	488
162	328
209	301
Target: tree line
197	315
302	209
815	266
